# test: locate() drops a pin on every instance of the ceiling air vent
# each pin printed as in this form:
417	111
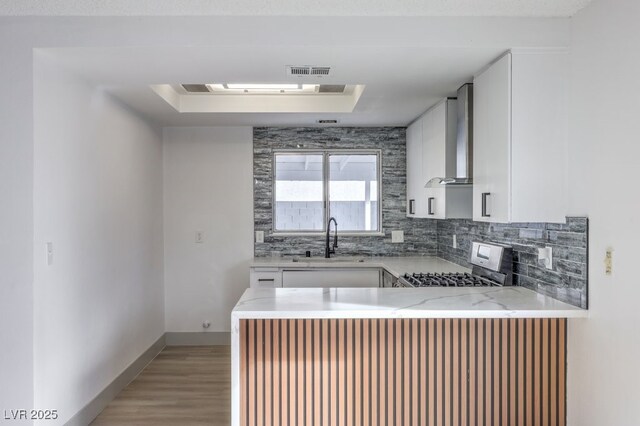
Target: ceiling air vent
306	70
331	88
196	88
320	71
296	71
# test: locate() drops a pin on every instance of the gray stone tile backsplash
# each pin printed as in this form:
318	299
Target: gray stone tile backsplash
568	278
567	281
419	235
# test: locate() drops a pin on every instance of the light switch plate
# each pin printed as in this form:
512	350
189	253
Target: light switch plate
259	236
397	236
199	237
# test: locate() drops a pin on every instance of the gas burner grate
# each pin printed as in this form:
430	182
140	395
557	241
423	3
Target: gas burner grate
455	279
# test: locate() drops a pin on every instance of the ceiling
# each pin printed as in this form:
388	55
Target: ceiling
400	85
528	8
407	63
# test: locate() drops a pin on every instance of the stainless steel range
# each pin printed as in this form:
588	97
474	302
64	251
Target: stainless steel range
492	266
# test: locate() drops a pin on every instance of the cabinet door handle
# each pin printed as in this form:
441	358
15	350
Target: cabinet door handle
412	206
266	279
484	204
430	205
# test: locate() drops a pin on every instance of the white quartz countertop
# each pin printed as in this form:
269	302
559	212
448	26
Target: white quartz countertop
394	265
464	302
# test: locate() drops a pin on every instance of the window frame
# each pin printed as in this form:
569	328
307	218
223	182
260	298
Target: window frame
326	153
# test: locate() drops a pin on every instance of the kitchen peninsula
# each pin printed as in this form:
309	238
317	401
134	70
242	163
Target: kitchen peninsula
383	356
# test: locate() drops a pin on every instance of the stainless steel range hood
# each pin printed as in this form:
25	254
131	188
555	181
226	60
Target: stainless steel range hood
464	143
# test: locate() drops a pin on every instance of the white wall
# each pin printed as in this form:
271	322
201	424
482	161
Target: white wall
208	187
16	224
98	198
604	349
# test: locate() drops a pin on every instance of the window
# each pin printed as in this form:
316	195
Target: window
311	186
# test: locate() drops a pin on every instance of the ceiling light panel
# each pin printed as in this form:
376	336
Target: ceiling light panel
262	88
250	86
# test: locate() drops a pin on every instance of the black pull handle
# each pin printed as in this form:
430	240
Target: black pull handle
484	204
412	206
266	279
430	206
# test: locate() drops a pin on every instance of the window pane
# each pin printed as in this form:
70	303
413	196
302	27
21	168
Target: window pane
298	192
353	191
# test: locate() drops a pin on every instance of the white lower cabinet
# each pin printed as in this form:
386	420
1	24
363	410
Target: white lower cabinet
265	277
274	277
329	277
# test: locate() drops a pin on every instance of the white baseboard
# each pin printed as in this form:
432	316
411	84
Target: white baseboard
179	338
97	404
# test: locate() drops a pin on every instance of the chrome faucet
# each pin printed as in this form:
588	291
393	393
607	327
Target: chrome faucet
329	251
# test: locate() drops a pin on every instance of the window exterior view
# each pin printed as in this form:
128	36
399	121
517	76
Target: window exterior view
311	187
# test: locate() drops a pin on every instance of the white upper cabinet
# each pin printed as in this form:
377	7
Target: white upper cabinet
431	152
520	138
416	197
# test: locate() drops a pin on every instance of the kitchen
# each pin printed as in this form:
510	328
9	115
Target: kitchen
132	227
324	321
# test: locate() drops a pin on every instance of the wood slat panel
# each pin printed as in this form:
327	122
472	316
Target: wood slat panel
277	361
251	395
333	372
455	361
268	368
375	373
244	368
324	366
481	371
406	372
562	360
366	373
528	368
398	379
259	373
415	372
308	360
300	372
504	372
433	372
464	364
473	372
383	381
513	371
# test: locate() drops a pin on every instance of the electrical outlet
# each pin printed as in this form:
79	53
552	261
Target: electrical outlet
259	236
608	261
397	236
546	256
455	241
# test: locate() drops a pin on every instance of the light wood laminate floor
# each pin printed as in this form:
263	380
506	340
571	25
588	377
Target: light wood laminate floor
183	385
